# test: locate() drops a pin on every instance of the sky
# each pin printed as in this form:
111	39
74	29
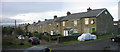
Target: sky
29	11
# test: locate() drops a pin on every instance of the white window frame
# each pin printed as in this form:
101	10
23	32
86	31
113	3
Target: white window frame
40	26
75	22
115	23
105	12
86	21
63	23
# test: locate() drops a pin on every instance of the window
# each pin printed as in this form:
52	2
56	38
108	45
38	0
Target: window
75	22
86	21
63	23
115	23
105	12
49	24
92	21
75	31
57	24
86	30
40	26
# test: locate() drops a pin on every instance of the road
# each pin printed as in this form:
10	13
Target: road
103	44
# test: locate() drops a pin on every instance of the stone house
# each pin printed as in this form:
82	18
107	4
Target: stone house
94	20
97	20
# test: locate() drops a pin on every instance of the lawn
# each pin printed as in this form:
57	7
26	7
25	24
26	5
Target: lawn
99	37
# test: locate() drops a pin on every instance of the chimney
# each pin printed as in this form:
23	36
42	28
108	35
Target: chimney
55	16
33	22
45	19
88	9
68	13
39	21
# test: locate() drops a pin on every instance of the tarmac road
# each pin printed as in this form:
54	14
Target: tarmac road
103	44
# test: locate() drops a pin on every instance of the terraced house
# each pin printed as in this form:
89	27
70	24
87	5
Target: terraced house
94	20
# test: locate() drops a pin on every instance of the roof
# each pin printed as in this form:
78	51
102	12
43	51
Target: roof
67	28
115	21
46	22
91	13
58	19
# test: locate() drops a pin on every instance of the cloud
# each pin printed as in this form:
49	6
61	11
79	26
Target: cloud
9	20
34	11
14	8
31	17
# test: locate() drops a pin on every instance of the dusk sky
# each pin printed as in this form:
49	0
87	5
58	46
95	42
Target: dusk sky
28	11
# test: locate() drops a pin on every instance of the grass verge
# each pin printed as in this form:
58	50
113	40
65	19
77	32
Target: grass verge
99	37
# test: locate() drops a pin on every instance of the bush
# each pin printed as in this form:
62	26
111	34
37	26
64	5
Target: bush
45	37
10	40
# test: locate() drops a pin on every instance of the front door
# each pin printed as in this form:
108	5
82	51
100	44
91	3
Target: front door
66	32
93	29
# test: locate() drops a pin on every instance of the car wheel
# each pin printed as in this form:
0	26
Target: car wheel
113	40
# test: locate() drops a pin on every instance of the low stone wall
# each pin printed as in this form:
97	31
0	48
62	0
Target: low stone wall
66	38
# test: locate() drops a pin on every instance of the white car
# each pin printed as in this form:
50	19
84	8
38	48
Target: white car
86	36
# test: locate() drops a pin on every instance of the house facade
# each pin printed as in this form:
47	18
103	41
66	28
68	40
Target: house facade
99	21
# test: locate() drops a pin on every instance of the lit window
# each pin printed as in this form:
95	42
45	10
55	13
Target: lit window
86	21
63	23
75	22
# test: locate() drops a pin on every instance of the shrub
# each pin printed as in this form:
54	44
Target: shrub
45	37
10	40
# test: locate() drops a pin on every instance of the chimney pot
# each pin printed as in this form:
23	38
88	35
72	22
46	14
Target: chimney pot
45	19
33	22
39	21
88	9
55	16
68	13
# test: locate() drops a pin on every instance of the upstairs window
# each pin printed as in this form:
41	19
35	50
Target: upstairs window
40	26
57	24
115	23
92	21
105	12
86	21
75	22
63	23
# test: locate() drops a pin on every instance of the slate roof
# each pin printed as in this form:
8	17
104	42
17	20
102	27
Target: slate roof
58	19
46	22
92	13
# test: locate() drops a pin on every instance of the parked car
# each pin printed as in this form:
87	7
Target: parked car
86	36
38	49
116	38
76	34
34	40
